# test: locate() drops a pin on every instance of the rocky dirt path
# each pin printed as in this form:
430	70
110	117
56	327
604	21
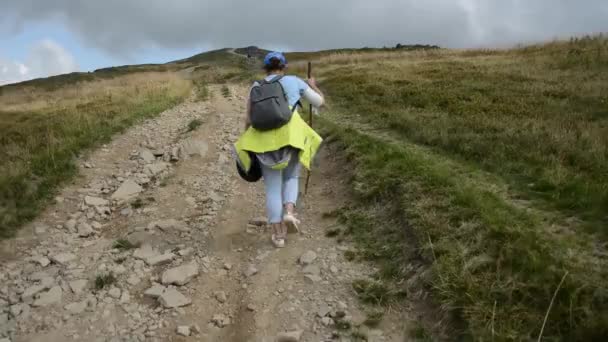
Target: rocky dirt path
158	240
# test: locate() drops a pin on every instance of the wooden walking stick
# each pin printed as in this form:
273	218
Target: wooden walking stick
310	122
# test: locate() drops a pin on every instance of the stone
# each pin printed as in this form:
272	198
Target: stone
96	202
63	258
53	296
85	230
171	224
144	252
4	323
155	291
38	276
6	339
70	225
186	252
125	297
133	280
156	168
292	336
183	330
43	261
114	293
18	309
175	154
333	269
181	275
128	190
258	221
158	153
326	321
323	310
103	211
160	259
312	270
28	295
220	320
119	270
172	298
251	307
220	296
40	229
312	278
193	147
47	282
251	271
147	156
76	308
227	266
191	201
308	258
78	286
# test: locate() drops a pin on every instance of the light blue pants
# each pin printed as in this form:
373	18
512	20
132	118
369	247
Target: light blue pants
281	188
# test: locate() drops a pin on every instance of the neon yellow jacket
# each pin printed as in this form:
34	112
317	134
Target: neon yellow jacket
296	134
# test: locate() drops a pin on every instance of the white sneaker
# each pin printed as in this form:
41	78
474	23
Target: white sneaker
292	223
277	242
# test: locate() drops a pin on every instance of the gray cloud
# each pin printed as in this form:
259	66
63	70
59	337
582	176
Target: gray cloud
123	27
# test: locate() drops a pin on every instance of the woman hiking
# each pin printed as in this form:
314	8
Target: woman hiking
277	141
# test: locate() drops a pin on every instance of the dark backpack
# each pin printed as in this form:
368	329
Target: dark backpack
269	105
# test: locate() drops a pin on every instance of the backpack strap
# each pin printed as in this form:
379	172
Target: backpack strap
276	79
296	105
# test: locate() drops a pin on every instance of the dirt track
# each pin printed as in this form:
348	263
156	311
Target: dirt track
193	210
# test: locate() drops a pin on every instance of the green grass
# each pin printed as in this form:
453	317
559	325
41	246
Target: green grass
41	136
418	333
194	125
490	167
358	336
104	280
120	260
374	318
375	292
536	117
482	249
202	90
226	91
124	245
137	204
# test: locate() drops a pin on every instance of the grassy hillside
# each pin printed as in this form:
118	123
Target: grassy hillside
495	162
44	125
488	167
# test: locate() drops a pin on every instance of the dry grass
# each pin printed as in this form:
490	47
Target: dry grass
31	98
42	131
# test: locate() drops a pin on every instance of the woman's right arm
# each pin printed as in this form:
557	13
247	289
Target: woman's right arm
314	95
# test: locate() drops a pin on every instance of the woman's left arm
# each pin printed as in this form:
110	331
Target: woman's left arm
248	115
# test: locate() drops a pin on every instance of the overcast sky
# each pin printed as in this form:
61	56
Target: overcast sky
45	37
